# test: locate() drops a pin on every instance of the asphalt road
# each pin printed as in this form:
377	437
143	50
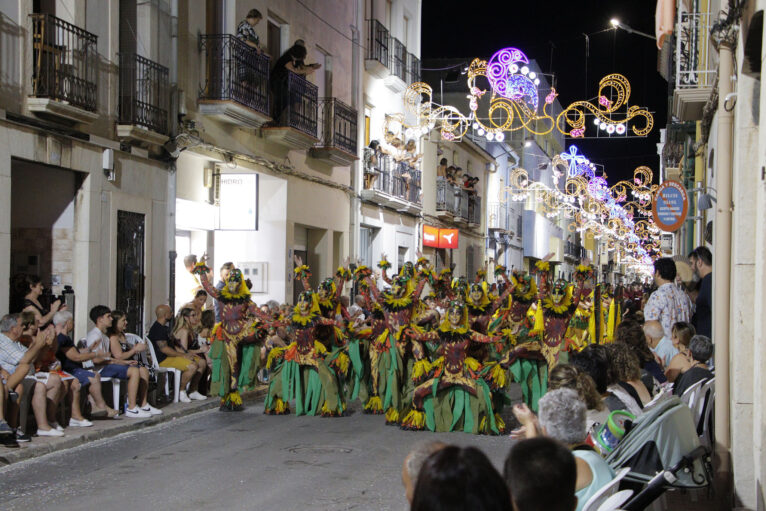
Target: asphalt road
246	460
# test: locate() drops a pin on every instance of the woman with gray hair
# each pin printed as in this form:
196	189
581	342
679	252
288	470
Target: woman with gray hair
562	417
701	349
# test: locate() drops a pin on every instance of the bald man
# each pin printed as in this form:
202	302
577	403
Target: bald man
168	356
659	343
413	462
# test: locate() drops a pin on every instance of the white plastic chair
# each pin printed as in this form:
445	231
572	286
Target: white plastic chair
602	496
663	395
689	396
707	403
614	502
106	379
158	369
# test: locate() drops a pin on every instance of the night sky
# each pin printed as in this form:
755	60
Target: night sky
454	29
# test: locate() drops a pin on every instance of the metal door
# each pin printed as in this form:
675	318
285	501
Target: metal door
130	269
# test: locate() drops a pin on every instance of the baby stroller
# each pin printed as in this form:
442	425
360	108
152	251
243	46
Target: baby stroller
662	451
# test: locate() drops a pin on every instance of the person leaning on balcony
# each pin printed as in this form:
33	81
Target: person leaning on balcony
246	29
293	61
371	169
441	169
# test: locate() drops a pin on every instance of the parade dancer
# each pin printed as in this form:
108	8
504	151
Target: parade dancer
305	371
239	327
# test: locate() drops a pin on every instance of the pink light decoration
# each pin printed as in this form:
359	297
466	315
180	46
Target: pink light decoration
577	133
551	96
604	101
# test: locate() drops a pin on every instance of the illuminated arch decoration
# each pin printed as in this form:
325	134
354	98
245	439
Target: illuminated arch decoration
505	91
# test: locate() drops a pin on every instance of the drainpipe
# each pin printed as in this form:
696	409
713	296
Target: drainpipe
722	251
170	214
356	103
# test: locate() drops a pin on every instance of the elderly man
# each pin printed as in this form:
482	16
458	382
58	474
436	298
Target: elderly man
413	462
659	343
668	304
702	264
16	360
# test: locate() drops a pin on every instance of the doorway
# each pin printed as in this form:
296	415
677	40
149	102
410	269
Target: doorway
130	269
43	211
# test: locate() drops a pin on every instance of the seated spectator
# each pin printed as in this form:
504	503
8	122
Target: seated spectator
72	360
168	354
198	304
701	349
682	334
541	475
413	462
660	345
569	377
459	478
633	336
121	350
98	342
7	436
625	377
16	358
592	361
562	417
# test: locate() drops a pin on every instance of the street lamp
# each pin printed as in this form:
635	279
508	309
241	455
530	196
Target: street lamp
617	24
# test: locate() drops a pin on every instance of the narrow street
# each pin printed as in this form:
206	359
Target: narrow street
248	460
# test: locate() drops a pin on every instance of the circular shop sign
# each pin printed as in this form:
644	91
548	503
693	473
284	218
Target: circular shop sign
670	206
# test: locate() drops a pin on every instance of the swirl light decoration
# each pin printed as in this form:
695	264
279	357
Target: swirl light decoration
606	113
507	90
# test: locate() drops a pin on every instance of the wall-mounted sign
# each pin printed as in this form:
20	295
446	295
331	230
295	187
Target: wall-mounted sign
239	202
670	206
440	238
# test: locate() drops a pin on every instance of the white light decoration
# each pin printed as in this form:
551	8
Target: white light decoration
610	129
490	136
537	81
524	70
532	75
620	129
475	125
500	136
596	121
602	126
481	132
514	68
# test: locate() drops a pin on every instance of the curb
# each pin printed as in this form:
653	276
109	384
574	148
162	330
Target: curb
35	450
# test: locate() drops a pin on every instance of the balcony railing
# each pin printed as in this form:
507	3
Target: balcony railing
398	64
574	250
144	93
378	41
413	68
296	105
693	66
235	72
338	125
394	178
453	199
474	209
64	62
498	216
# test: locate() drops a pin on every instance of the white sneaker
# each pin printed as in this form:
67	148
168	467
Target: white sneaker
154	411
50	432
85	423
136	413
182	397
56	426
197	396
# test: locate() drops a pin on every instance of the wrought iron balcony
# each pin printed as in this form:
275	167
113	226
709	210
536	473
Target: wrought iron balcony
398	64
378	40
474	210
337	132
695	69
451	200
144	97
413	68
574	250
65	68
295	113
391	183
498	216
236	87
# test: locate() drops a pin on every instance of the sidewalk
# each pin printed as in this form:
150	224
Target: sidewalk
108	428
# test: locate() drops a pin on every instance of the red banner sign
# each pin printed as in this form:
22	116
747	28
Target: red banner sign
440	238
